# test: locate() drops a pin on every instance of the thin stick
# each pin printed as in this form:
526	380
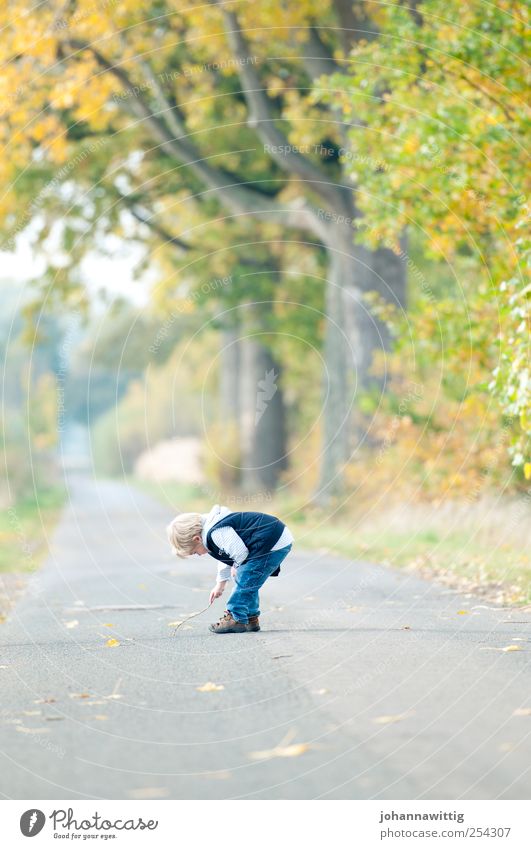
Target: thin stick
190	617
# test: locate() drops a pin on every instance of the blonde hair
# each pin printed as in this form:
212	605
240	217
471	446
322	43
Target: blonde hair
181	532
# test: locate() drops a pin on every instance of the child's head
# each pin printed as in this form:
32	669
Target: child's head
184	534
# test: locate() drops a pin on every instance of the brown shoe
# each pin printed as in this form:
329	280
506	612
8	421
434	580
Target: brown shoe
253	623
228	625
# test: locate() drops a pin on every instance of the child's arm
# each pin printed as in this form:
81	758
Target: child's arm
234	547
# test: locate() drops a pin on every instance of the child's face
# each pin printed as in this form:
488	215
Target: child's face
199	548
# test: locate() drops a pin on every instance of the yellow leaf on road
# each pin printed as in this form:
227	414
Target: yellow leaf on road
383	720
512	648
462	612
209	687
149	793
292	751
25	730
111	643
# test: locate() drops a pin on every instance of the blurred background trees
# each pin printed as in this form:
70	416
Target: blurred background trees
326	206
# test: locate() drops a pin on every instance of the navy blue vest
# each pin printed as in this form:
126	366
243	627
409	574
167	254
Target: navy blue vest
259	532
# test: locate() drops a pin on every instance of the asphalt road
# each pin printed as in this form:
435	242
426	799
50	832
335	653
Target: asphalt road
335	698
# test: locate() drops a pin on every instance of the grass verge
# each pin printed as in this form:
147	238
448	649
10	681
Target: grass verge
25	528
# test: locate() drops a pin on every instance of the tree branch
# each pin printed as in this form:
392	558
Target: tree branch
262	120
237	197
316	58
146	218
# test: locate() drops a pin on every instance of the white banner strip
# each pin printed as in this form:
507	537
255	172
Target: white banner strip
266	824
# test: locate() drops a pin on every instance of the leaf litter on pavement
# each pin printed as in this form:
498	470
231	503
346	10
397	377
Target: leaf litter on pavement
210	687
284	749
388	718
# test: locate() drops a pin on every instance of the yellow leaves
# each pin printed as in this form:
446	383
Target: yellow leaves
293	751
527	471
25	730
111	643
210	687
43	128
387	719
411	145
462	612
149	793
284	749
504	649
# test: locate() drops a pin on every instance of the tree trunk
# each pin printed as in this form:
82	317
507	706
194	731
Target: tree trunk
229	381
262	418
352	337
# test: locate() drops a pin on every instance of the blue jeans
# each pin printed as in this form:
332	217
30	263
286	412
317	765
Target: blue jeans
250	576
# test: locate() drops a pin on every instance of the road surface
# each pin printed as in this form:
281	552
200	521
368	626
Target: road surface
364	682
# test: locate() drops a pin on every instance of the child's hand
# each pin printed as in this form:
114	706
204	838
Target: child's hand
233	571
217	591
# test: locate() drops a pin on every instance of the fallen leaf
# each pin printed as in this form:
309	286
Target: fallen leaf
463	612
320	692
397	717
101	717
72	624
114	696
78	696
293	751
209	687
32	712
149	793
512	648
522	712
111	643
95	702
406	627
53	718
108	625
279	656
32	730
44	701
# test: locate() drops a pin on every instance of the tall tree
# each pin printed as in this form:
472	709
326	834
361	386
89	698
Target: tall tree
220	97
447	89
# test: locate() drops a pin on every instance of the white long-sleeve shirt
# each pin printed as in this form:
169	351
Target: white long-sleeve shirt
229	541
